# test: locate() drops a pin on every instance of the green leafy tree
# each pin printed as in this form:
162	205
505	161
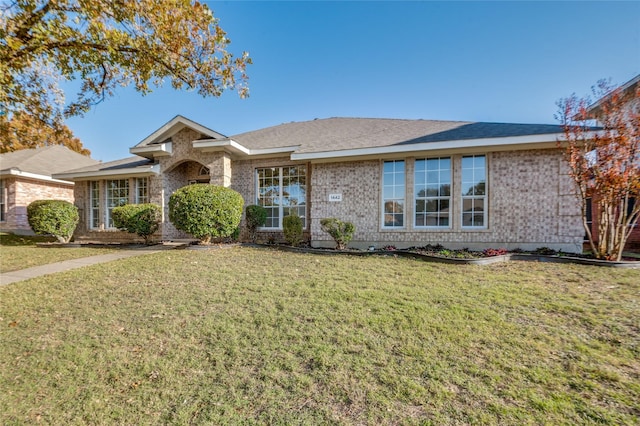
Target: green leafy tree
53	217
140	219
106	44
206	211
255	216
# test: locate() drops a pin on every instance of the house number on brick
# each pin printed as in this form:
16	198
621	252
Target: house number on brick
335	197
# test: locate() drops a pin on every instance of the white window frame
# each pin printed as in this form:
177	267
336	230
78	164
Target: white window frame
394	180
425	181
142	183
94	204
476	179
281	207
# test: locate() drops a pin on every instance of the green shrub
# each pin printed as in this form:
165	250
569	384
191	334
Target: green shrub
141	219
256	216
341	232
206	211
53	217
292	225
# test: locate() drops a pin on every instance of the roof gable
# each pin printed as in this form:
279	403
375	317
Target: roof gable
172	127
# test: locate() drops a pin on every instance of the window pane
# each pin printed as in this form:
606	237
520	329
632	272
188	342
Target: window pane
432	187
282	191
467	162
393	193
473	190
117	195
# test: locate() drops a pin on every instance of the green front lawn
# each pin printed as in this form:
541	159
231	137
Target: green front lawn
20	252
254	336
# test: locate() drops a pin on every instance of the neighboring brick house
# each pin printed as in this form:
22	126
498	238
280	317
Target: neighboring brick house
630	90
25	176
401	182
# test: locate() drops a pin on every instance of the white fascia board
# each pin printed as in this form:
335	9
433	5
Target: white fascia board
115	173
269	151
512	141
28	175
158	150
208	145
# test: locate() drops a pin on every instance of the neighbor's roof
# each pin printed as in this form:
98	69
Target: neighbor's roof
627	88
132	166
42	162
337	134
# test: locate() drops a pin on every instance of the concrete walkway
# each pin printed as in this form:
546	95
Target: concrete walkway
68	265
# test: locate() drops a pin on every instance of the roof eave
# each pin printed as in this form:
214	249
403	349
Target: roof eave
115	173
14	172
238	150
164	149
467	145
217	145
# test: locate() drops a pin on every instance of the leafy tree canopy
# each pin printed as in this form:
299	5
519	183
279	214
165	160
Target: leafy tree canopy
105	44
23	131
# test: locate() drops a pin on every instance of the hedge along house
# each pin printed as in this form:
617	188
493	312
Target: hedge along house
401	182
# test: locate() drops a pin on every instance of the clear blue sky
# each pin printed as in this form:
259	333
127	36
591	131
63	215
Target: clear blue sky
475	61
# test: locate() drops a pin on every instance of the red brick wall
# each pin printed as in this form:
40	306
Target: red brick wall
21	192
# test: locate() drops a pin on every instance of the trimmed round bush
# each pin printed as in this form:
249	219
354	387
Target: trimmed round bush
140	219
293	229
206	211
53	217
256	216
341	232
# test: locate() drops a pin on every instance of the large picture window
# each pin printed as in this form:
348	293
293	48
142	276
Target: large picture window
393	193
283	192
474	193
432	190
117	195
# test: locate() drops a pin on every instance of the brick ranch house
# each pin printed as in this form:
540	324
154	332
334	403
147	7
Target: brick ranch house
401	182
25	176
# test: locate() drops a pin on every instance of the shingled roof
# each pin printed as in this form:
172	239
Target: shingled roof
131	166
44	161
336	134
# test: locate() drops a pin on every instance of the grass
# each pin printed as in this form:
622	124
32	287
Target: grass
20	252
253	336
